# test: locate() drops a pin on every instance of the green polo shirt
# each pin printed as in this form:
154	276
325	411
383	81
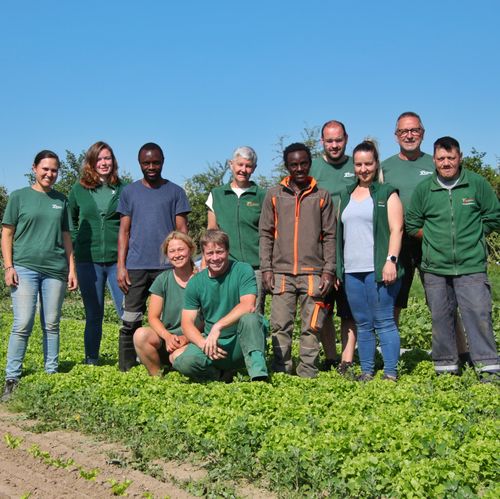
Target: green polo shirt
39	218
215	297
168	288
406	175
333	178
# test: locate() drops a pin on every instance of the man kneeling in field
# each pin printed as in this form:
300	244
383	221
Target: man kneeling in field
233	336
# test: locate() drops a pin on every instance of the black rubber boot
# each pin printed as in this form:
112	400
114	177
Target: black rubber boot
127	356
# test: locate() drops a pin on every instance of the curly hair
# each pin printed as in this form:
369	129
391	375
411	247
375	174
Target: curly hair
89	178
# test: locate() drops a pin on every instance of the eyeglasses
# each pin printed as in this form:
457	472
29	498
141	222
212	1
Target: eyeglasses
402	132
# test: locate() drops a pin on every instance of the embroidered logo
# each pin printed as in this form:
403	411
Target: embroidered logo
425	172
381	204
468	201
57	207
253	204
348	174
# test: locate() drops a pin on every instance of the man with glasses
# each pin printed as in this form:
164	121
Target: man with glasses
405	171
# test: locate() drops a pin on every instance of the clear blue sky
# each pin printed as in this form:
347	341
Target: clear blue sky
201	78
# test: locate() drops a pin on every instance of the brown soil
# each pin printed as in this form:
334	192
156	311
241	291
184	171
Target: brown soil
22	474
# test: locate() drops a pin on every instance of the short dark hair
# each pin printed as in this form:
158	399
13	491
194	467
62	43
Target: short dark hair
331	123
296	146
150	146
214	236
409	114
44	155
446	143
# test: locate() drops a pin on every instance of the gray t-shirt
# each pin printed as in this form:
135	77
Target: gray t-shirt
357	219
152	213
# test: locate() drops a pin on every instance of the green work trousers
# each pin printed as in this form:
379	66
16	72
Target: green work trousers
246	348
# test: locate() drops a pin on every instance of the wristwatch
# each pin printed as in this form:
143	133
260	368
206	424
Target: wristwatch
392	258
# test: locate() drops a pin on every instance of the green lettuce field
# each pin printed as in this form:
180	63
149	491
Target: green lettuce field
329	437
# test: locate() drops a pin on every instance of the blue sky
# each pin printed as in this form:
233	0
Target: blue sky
201	78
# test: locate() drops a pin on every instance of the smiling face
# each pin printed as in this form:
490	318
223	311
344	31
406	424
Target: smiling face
409	134
298	165
178	254
217	259
334	142
46	172
447	162
242	170
104	164
151	161
365	167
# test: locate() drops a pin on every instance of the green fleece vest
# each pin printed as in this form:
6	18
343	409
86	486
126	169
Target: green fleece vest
380	193
239	217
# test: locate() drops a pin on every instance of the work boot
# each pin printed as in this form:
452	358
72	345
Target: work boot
10	386
127	356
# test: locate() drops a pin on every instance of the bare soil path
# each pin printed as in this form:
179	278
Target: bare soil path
67	464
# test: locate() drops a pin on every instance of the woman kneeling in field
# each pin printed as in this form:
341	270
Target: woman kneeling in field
164	336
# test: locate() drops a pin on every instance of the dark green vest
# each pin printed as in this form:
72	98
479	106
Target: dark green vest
239	217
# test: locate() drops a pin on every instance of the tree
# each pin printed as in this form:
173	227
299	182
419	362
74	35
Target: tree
4	197
310	137
475	163
197	189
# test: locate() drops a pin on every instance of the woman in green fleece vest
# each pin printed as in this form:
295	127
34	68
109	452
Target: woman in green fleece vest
93	201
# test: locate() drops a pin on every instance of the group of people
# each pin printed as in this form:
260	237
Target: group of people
332	233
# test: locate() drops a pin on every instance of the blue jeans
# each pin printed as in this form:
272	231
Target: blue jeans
92	278
372	305
24	300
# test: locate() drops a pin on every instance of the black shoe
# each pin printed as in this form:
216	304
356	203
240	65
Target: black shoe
262	379
344	367
10	386
390	377
363	377
329	364
227	376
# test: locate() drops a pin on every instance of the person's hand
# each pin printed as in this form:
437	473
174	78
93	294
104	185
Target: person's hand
389	273
211	349
72	281
268	280
325	283
172	342
11	278
123	279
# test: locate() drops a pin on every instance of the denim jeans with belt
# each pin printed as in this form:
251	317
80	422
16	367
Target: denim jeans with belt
33	284
92	278
372	305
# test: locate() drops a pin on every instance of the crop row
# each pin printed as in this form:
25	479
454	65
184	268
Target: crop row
422	437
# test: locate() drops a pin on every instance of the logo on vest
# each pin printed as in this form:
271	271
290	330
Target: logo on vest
381	204
57	206
425	172
252	204
468	201
348	174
